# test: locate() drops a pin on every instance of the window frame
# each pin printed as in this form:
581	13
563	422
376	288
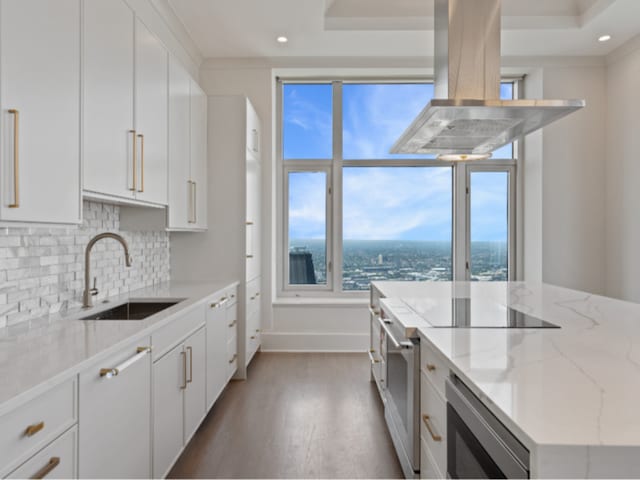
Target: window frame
460	247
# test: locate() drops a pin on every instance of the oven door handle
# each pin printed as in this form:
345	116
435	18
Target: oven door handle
395	342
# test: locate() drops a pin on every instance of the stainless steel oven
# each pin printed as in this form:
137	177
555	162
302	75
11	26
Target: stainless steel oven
478	444
402	407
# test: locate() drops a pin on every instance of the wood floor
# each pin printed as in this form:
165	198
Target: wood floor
308	415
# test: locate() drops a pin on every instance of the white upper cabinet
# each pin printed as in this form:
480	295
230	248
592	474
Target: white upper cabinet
151	101
199	154
40	116
125	105
180	199
187	152
108	135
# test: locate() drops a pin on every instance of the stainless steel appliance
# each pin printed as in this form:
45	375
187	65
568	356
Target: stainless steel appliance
479	445
402	408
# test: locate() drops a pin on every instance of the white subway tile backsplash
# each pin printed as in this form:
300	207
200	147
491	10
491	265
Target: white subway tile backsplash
42	269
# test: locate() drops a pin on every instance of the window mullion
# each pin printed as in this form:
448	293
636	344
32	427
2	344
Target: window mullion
336	193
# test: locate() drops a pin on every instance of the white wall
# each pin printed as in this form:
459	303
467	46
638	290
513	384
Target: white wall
573	193
623	173
563	197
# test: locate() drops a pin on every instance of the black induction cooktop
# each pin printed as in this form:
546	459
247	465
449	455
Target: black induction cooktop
473	313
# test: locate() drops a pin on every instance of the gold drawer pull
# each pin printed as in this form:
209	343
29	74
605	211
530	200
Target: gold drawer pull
257	330
232	323
31	430
253	337
426	419
431	367
44	471
233	359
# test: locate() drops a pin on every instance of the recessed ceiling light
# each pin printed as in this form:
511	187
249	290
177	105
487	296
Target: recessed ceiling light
282	39
604	38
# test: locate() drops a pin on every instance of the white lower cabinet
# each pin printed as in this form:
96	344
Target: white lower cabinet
57	460
216	348
115	419
178	400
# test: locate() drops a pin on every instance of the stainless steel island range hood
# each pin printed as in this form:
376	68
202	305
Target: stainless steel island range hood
467	118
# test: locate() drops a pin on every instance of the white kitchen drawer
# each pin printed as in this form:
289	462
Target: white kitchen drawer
253	296
253	343
428	466
232	295
433	415
232	321
56	460
46	417
176	331
232	357
434	367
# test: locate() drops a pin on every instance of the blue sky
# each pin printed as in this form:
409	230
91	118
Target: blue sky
378	203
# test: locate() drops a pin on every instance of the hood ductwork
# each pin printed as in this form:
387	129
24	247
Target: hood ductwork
467	117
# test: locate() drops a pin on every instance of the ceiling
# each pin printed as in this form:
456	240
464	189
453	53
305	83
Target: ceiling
389	28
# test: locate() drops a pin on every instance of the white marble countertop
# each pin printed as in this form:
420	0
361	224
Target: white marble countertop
578	385
44	351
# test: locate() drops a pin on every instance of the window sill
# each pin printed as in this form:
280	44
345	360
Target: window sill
321	302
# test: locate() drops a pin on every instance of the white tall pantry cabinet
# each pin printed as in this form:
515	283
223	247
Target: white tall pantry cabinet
231	246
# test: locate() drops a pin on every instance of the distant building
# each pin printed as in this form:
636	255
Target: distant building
301	271
380	259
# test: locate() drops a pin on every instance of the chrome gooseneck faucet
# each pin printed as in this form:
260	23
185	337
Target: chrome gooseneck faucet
87	301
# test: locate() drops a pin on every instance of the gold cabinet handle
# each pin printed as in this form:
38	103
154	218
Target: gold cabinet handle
431	367
190	220
195	202
184	370
141	137
257	330
190	350
31	430
16	158
232	324
248	223
253	337
249	256
233	359
135	162
427	423
115	371
44	471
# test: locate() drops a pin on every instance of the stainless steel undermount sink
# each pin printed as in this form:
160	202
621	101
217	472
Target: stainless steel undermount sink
133	310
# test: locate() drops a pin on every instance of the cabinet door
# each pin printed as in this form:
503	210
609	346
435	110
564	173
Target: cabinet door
151	113
253	132
195	394
180	209
40	91
199	154
216	351
107	136
169	382
252	264
115	417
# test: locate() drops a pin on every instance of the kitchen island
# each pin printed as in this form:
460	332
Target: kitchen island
568	394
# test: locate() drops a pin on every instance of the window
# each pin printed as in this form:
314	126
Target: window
352	213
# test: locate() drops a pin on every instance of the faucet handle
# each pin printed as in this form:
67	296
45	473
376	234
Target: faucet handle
94	290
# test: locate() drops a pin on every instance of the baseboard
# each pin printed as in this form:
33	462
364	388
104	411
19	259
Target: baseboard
314	342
